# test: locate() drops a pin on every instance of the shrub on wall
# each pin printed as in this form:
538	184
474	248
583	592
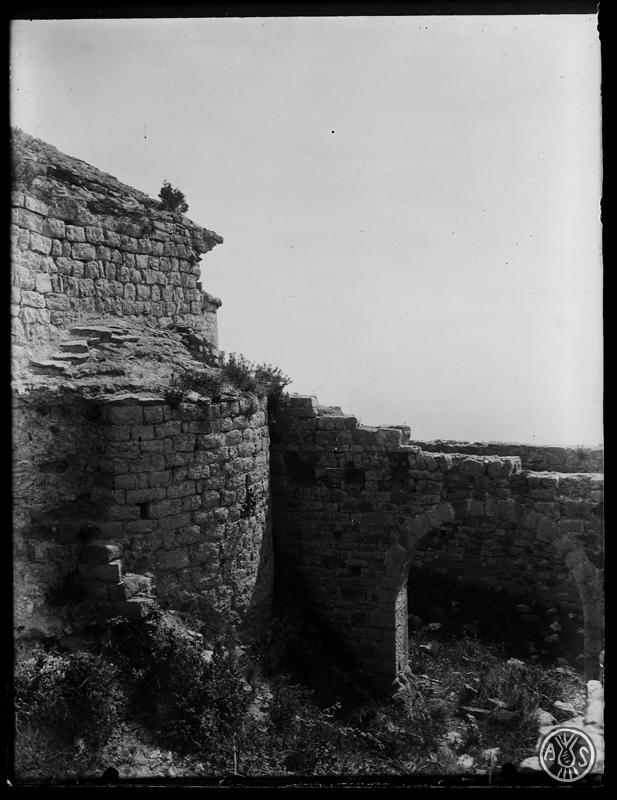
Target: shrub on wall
248	376
172	199
206	383
237	372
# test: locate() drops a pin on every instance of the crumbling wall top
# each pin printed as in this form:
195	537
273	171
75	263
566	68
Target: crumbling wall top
78	193
86	249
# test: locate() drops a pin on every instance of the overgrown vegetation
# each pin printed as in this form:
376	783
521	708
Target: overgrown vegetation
67	705
236	373
172	199
202	381
218	708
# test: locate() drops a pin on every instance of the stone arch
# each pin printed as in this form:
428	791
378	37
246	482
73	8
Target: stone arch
391	596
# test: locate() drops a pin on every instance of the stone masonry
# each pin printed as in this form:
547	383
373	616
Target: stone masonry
182	493
533	457
106	308
352	505
84	243
121	482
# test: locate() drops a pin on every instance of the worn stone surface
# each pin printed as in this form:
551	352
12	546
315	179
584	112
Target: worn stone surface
84	243
538	458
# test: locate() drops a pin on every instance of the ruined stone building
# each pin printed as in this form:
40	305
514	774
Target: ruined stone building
117	488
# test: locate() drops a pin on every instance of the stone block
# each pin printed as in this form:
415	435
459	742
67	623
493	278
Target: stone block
108	573
206	552
27	219
232	438
210	499
301	406
144	526
149	462
40	244
190	503
174	522
125	415
198	472
75	234
134	609
142	432
153	414
472	467
132	585
94	235
171	428
47	366
83	251
32	299
365	436
122	512
99	553
145	495
160	446
212	441
36	205
54	228
162	478
183	489
174	559
117	591
190	534
75	346
185	442
165	508
125	482
389	437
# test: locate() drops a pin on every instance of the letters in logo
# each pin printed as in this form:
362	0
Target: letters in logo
567	754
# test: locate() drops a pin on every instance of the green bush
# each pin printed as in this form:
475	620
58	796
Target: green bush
200	702
208	384
248	376
237	372
76	694
172	199
240	372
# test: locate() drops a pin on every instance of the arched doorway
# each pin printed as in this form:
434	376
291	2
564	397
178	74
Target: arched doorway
550	568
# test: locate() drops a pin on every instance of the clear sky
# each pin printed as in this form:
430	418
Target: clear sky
410	205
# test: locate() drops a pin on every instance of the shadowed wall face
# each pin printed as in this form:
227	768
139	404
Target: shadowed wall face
182	493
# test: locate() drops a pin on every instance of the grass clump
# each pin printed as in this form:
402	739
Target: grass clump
236	373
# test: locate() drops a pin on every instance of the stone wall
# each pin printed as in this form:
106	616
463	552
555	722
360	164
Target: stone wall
182	492
106	307
535	457
83	243
352	504
500	555
55	452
